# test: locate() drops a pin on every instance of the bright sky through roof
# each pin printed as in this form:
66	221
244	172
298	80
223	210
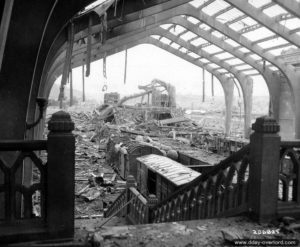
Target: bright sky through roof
146	62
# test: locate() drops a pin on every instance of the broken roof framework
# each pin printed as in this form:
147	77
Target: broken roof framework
232	39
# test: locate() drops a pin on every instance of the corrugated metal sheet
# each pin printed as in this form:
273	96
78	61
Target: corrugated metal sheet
169	169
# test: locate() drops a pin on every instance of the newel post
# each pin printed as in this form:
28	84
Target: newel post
264	169
60	175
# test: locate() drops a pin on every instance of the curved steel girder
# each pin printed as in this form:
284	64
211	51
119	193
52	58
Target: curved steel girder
149	11
264	20
245	82
271	78
226	82
114	48
242	78
268	75
287	70
146	23
207	35
291	6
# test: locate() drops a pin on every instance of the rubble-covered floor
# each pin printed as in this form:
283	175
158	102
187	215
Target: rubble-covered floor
97	185
197	233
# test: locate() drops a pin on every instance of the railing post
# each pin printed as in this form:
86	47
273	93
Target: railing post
130	182
60	176
264	169
152	202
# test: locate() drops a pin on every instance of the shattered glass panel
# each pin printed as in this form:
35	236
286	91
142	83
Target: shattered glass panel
266	62
194	55
244	50
187	36
175	45
215	7
272	43
224	55
204	60
177	30
230	15
258	34
241	67
212	49
256	57
274	11
291	23
273	68
155	36
259	3
250	72
234	61
232	42
214	66
237	26
198	42
193	20
166	26
222	70
280	51
182	49
197	3
92	5
165	41
205	27
217	34
248	21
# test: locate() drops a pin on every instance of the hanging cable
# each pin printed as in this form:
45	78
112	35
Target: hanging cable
212	86
203	85
83	84
89	48
68	58
71	87
104	88
125	67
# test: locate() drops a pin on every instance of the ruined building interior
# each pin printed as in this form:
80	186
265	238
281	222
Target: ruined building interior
147	162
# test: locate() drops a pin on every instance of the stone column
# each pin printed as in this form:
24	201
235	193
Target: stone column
60	176
264	169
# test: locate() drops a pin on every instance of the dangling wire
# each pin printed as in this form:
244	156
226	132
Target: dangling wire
125	68
104	88
89	48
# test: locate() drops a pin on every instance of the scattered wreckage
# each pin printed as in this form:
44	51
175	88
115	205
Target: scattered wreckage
113	140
